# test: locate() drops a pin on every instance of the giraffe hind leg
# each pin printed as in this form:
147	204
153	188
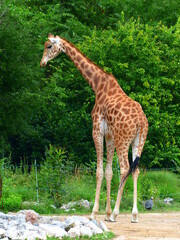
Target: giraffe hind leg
109	172
137	147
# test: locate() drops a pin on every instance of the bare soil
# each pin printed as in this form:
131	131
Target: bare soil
151	226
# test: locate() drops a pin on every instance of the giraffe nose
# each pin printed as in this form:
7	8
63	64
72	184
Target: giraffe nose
43	63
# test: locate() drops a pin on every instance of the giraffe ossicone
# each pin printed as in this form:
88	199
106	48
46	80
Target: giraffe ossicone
115	116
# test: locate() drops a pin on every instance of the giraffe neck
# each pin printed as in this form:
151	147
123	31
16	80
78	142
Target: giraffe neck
94	75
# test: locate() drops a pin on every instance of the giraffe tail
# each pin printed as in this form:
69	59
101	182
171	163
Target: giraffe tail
134	165
132	168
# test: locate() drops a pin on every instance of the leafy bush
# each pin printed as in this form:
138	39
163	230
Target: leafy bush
160	184
11	203
52	173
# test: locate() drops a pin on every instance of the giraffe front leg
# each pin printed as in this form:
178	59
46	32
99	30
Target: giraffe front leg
118	200
99	177
98	141
122	152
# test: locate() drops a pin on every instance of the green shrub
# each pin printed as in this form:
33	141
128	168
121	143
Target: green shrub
12	203
159	184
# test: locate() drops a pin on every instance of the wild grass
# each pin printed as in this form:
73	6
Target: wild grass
105	235
77	185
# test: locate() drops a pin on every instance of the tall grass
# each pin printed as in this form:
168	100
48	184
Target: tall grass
75	185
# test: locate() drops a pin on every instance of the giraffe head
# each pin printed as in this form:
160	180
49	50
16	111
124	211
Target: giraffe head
52	48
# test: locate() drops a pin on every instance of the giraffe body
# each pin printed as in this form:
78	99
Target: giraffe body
116	117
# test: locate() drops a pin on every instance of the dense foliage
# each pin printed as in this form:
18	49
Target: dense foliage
136	40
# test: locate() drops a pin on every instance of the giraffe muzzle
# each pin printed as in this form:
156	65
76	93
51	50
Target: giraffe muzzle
43	63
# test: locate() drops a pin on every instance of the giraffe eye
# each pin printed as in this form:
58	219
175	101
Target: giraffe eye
50	46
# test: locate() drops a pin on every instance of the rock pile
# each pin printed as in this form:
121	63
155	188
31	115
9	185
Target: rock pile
27	224
72	205
168	200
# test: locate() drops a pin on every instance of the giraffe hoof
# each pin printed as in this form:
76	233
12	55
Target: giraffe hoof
107	217
134	218
92	217
112	218
134	221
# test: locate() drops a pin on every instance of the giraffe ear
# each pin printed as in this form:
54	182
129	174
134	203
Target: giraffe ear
50	35
52	38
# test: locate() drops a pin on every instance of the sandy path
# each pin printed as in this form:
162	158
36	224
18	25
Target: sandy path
151	226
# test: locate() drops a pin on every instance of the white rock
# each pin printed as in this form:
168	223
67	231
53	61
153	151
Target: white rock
74	232
71	222
12	233
15	227
84	203
33	235
94	228
2	233
168	200
85	231
2	215
103	226
53	231
13	223
59	224
77	219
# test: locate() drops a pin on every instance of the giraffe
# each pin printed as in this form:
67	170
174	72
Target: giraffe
116	117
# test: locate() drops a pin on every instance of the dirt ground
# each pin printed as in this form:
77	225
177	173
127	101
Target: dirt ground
151	226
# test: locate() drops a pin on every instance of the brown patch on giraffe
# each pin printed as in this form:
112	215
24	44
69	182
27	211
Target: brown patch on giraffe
79	58
131	126
125	125
112	84
127	104
92	69
118	99
98	95
105	89
96	81
101	73
89	73
73	53
115	112
133	110
68	48
125	111
112	111
118	105
135	120
126	165
122	118
82	65
112	92
133	116
103	79
108	136
109	118
134	104
101	87
124	132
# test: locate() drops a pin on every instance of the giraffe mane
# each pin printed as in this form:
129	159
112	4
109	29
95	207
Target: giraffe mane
85	56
